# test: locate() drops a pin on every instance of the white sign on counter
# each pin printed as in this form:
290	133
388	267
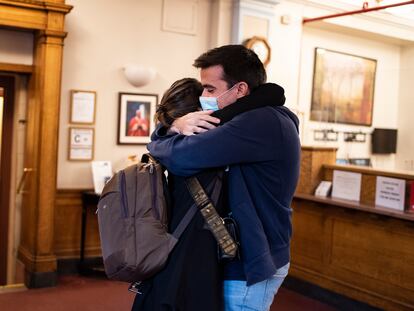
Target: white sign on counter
346	185
390	193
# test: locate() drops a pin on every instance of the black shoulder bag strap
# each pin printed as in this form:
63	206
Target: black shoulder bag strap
227	245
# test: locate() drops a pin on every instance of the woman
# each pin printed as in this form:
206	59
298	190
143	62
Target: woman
191	279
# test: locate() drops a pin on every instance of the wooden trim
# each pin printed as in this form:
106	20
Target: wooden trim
33	15
316	148
5	171
38	5
356	206
16	68
370	171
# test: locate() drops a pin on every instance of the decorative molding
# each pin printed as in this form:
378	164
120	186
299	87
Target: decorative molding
256	8
188	13
38	5
33	15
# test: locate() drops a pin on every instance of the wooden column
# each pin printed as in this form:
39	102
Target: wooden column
37	244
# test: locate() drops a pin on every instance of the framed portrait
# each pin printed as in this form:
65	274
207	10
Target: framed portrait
81	143
82	107
136	118
343	88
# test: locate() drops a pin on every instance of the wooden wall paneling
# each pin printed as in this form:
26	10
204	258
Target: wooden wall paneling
376	255
68	226
307	243
370	257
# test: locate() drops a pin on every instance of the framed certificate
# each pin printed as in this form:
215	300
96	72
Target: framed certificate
81	144
82	107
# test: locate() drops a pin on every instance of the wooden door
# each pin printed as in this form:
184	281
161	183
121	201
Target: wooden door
7	102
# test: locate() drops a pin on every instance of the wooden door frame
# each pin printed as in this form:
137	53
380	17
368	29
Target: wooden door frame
46	20
8	84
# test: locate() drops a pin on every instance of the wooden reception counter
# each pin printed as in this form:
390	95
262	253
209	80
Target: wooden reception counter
352	248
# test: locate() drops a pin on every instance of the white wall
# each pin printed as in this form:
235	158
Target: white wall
405	144
293	58
386	92
16	47
103	35
95	53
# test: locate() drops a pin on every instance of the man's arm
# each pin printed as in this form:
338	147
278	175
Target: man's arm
247	138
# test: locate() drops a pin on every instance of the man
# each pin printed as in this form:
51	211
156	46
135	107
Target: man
262	149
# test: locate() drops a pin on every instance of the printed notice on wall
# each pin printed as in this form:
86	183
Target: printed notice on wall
390	193
346	185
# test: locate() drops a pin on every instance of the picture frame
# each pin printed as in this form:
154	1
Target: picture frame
343	88
82	107
136	118
81	143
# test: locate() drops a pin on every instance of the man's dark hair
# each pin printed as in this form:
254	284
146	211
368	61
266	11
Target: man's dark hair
181	98
239	64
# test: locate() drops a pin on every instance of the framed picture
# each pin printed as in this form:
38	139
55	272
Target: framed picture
136	118
343	88
81	144
82	107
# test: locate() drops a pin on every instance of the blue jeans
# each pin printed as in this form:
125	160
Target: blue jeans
257	297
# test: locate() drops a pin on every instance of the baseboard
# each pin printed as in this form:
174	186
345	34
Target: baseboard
40	279
73	266
333	299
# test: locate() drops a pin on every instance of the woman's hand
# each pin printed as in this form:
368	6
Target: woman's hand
195	122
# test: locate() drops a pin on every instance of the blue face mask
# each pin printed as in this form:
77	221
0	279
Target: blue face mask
211	103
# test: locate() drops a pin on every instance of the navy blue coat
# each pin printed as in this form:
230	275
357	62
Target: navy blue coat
262	148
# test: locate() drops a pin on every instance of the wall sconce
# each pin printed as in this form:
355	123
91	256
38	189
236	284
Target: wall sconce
139	75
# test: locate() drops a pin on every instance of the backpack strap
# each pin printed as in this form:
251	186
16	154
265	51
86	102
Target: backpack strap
227	244
193	209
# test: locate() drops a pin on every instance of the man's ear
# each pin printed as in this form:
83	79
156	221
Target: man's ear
242	89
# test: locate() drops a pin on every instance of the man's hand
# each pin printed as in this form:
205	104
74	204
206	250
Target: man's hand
195	122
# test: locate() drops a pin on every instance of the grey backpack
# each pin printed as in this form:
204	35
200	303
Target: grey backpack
132	217
133	221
